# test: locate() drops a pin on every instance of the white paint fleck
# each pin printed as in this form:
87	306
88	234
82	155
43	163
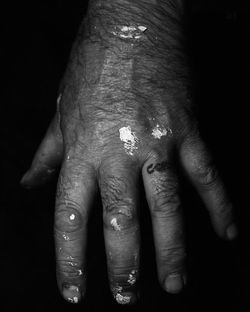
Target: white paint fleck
115	225
72	217
158	132
72	293
142	28
74	288
132	277
129	32
128	28
74	299
66	237
117	289
129	138
122	299
80	272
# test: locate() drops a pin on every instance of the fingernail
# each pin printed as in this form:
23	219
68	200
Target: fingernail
232	231
71	293
174	283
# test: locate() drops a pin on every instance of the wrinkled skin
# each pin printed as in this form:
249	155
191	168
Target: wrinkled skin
103	92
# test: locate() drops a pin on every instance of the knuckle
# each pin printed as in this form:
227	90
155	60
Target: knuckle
163	209
119	208
112	191
165	197
68	218
69	268
122	219
172	257
224	211
206	175
125	277
201	164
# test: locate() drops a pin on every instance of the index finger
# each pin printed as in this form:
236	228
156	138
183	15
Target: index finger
75	193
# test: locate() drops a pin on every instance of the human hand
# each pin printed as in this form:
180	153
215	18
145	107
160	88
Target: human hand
123	111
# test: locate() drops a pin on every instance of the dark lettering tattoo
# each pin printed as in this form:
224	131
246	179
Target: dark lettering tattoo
150	169
158	167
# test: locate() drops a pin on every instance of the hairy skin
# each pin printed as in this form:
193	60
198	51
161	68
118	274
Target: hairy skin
127	70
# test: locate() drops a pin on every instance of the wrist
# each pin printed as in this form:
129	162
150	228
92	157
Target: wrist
137	19
148	29
135	39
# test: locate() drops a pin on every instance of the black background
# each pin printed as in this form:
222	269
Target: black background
36	38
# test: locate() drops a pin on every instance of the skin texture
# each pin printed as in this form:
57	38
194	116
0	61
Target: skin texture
135	79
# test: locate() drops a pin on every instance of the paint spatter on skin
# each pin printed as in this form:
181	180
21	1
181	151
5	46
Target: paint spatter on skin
117	289
129	138
72	217
121	299
80	272
72	293
115	224
66	237
132	277
159	131
73	300
129	32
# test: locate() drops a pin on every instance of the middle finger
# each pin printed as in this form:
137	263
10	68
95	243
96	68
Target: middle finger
118	182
